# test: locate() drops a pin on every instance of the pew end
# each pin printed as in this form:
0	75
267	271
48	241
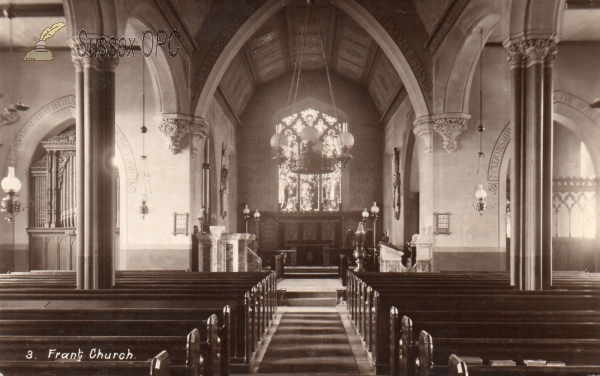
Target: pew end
394	341
161	364
456	367
193	353
425	359
406	341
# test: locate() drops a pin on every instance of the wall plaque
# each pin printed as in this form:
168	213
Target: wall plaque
180	224
442	223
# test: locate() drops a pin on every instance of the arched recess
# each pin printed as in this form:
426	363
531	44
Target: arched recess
50	120
458	61
419	99
570	111
536	19
168	73
576	115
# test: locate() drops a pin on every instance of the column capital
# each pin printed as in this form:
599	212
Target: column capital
423	125
531	51
175	127
75	57
100	63
449	126
514	54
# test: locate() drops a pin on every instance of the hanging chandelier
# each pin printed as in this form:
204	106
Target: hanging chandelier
324	143
143	178
480	193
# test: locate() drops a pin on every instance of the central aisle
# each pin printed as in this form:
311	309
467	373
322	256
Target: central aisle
311	335
309	341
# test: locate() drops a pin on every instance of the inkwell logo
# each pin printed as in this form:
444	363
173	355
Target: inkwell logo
41	53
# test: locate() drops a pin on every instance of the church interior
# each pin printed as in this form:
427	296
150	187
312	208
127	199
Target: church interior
360	187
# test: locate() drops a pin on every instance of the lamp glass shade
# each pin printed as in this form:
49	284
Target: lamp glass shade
256	214
11	183
246	210
374	208
144	197
480	192
347	139
276	141
309	134
365	213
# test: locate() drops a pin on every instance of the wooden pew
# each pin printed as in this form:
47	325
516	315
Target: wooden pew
244	334
157	366
526	325
123	328
185	352
409	302
433	352
45	317
456	367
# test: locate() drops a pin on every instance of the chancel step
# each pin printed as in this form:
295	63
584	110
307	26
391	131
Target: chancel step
311	272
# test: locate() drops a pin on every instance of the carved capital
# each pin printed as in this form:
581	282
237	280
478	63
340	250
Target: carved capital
421	127
514	54
539	51
532	51
449	128
100	63
177	128
75	57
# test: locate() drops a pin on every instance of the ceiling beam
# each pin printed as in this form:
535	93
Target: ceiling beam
285	43
582	4
393	106
335	39
34	10
227	109
250	64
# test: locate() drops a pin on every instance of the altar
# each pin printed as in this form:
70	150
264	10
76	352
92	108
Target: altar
308	252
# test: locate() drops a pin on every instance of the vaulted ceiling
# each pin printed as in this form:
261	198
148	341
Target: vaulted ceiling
272	50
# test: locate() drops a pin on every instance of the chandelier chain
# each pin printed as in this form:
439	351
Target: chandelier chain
481	76
325	60
298	60
301	55
143	107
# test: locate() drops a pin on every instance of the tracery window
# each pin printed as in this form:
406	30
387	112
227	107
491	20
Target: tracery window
305	192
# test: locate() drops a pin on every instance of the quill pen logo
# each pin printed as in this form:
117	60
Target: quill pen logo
41	53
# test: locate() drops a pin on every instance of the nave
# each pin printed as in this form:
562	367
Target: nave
437	158
380	323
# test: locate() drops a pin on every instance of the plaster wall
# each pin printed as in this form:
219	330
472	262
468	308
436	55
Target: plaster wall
149	243
34	84
396	134
455	176
222	131
145	243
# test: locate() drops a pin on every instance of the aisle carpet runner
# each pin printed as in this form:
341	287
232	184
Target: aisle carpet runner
309	342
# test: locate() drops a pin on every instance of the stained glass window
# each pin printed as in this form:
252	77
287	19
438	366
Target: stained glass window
309	193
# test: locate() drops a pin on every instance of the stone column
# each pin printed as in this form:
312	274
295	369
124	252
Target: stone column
99	151
79	164
515	59
423	128
531	63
